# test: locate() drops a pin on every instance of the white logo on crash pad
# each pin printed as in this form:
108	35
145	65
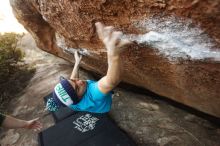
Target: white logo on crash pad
85	123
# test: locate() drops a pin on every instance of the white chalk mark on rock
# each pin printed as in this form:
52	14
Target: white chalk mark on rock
176	38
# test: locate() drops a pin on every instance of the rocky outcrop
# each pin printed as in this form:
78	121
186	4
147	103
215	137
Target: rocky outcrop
177	42
146	120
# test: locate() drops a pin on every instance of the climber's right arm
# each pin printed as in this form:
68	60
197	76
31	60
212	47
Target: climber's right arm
113	43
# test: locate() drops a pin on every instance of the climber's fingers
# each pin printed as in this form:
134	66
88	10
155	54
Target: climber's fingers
123	43
99	29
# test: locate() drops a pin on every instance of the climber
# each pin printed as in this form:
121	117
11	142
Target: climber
7	121
92	96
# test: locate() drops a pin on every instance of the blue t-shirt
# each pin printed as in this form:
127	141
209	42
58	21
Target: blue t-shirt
94	100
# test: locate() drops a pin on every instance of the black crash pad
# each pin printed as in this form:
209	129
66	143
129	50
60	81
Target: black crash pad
85	129
62	113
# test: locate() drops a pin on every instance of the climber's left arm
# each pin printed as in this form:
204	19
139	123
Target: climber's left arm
75	72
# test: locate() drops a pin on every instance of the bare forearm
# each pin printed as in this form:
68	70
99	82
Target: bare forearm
115	68
11	122
113	76
75	72
114	45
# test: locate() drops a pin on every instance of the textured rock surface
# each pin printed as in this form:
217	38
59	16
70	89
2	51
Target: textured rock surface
192	78
147	120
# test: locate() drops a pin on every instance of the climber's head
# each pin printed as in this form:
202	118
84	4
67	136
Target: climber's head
66	93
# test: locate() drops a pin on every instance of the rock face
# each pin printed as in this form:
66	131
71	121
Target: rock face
176	53
148	121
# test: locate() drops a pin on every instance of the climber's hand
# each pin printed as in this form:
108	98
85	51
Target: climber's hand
111	39
78	57
33	124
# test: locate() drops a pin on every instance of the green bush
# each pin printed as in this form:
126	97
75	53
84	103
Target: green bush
14	74
10	54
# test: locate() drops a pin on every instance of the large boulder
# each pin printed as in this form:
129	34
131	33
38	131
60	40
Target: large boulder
176	54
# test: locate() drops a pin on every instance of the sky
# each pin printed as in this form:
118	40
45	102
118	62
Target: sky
8	22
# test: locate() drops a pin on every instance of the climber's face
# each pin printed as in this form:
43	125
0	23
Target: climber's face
79	86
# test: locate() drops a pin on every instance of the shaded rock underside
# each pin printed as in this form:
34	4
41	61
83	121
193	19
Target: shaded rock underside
56	25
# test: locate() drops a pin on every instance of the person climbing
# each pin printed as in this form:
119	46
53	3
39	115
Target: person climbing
7	121
92	96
